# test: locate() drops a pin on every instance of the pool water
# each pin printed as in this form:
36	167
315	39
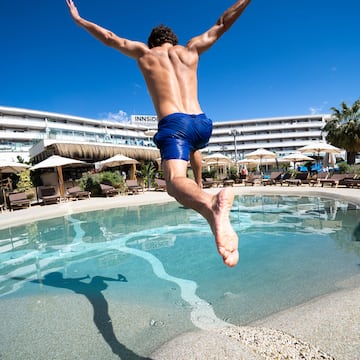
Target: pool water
146	274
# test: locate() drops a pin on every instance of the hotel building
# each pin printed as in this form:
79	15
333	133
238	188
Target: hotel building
35	135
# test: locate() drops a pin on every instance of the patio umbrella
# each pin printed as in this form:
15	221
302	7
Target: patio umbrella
297	157
260	154
10	167
247	161
222	163
218	159
58	162
117	160
319	147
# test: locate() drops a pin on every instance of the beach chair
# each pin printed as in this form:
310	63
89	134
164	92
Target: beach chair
133	187
253	180
209	183
227	182
75	193
318	177
351	183
49	195
274	177
347	180
108	190
300	178
160	184
283	178
18	201
335	180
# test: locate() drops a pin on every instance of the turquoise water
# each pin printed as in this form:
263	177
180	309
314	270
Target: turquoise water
158	265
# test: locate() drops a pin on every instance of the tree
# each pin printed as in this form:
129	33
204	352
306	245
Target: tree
343	129
148	172
25	184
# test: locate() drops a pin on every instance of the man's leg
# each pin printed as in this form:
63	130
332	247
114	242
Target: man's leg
214	208
195	161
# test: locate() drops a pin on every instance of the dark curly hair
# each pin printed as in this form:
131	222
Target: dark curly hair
160	35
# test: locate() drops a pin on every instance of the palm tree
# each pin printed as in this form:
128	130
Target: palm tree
148	172
343	129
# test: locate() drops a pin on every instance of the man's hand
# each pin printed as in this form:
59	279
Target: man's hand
73	10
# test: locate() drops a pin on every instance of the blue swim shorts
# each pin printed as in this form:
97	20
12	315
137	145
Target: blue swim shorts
179	134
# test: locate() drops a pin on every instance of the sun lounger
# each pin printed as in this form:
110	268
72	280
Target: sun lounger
351	183
160	184
318	177
283	178
300	178
228	182
49	195
75	193
108	190
210	182
336	179
275	176
18	201
133	187
253	180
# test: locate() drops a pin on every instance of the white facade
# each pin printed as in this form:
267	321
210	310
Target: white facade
282	135
22	129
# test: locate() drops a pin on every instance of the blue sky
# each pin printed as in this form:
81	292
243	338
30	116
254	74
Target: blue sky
282	57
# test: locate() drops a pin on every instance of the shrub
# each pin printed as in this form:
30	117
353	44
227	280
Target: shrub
344	167
233	174
91	182
112	178
24	183
208	174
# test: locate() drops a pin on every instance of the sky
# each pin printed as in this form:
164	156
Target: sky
281	58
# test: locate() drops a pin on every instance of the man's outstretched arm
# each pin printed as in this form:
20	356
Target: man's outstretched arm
206	40
127	47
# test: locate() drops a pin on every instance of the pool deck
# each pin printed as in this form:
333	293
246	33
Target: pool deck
330	322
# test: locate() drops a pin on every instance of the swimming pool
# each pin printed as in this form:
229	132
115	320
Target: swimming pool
124	281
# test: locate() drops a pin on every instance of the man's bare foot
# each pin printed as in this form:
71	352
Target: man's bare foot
225	236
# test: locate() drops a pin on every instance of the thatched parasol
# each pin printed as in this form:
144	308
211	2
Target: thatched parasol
96	152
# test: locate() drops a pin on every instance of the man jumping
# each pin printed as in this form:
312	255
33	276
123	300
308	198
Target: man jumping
170	72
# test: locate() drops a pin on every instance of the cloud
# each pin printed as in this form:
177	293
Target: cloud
136	87
315	110
120	116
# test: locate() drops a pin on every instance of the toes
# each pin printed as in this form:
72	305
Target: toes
232	258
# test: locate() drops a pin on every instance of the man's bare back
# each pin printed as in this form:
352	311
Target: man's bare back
170	73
